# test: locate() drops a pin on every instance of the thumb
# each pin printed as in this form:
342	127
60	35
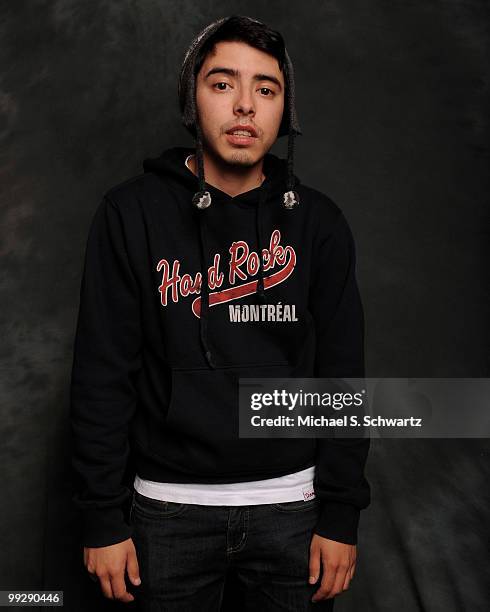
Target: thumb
314	564
133	568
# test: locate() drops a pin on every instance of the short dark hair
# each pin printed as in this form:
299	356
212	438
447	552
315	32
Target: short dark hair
251	32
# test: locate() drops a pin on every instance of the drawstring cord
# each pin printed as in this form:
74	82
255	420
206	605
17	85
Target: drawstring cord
203	318
260	291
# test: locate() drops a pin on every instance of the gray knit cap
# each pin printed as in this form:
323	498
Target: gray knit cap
188	107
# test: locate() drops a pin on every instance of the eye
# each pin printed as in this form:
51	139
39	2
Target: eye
221	83
262	89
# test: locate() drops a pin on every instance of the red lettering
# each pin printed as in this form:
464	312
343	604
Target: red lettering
236	261
168	281
242	265
215	278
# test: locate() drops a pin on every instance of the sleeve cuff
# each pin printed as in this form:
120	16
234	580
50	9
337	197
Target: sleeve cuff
104	527
338	521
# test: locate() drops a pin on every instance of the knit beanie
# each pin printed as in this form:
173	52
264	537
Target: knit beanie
188	107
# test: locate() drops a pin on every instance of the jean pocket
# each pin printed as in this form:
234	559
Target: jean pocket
155	508
297	505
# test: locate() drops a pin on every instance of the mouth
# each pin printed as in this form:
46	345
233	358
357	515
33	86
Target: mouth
241	135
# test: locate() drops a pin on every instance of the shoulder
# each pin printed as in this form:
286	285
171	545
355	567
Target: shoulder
329	222
131	192
325	212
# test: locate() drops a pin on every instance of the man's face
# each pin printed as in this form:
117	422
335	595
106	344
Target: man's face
239	85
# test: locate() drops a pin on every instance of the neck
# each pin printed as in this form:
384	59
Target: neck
231	179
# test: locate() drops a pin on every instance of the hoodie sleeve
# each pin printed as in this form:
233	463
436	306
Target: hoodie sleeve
105	360
337	310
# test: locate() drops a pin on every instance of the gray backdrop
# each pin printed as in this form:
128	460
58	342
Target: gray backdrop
393	99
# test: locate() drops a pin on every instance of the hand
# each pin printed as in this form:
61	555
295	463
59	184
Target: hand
339	562
108	564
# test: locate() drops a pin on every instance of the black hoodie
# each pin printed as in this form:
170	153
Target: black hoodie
156	374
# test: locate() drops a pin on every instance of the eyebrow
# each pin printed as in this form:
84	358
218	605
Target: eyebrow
235	73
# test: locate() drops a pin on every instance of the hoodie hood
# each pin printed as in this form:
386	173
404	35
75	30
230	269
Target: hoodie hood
171	165
279	179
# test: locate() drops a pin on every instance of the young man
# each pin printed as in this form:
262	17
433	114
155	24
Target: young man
189	284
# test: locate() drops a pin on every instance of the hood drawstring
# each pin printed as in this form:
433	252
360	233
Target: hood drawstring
203	318
202	198
260	291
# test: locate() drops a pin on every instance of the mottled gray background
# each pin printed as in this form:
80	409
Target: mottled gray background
393	99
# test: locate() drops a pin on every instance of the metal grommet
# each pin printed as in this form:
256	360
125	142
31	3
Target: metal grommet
201	199
290	199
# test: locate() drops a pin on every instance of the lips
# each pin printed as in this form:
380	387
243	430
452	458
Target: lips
243	128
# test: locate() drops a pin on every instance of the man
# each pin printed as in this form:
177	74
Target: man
189	284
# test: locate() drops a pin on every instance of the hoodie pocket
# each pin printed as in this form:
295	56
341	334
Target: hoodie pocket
204	402
202	426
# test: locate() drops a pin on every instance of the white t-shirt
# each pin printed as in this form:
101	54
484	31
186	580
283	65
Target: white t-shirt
291	487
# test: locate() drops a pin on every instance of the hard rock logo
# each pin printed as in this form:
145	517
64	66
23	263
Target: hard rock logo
242	266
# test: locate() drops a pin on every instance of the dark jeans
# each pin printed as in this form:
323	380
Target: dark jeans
185	552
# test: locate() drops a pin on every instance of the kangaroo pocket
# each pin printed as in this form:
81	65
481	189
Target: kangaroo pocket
201	429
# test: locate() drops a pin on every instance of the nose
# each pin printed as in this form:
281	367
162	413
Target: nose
244	103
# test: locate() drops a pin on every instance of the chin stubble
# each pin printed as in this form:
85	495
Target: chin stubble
241	159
